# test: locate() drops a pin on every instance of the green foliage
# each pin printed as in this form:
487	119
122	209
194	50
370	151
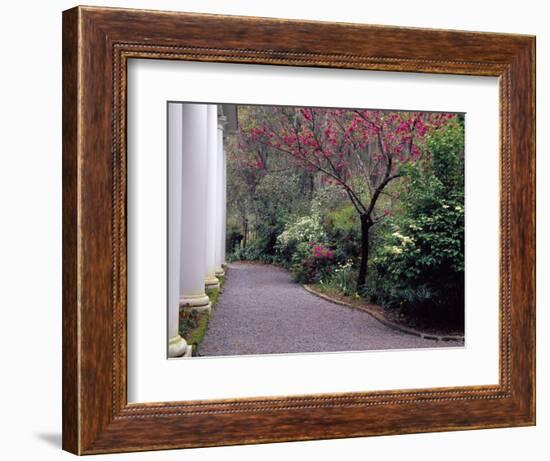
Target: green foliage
214	293
194	323
255	251
234	236
188	321
193	326
302	248
421	261
271	203
303	219
276	199
341	279
343	230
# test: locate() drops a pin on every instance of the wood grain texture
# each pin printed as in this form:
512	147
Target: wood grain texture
70	390
97	42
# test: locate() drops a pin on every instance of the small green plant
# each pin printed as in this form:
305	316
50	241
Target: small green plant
193	326
194	323
214	293
342	279
189	320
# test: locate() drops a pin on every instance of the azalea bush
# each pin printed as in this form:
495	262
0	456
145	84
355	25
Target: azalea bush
304	249
294	243
317	263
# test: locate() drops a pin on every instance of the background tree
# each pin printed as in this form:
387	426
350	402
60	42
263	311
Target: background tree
264	189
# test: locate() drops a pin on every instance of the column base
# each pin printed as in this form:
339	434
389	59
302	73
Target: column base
205	308
211	282
220	272
178	347
194	300
200	303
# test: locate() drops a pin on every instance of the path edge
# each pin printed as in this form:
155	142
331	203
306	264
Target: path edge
382	319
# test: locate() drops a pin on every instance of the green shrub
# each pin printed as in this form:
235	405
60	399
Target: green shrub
311	262
251	252
254	252
343	229
189	320
420	263
234	238
294	243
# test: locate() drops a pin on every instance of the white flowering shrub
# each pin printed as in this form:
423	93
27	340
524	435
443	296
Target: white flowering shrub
296	240
304	229
303	248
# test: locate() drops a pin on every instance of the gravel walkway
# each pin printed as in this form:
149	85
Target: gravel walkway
262	311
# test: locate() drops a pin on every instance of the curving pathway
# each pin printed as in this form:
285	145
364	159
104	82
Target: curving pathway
262	311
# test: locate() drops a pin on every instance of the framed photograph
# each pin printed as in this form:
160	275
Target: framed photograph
281	230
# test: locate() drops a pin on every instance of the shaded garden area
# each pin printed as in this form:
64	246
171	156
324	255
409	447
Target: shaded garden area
364	205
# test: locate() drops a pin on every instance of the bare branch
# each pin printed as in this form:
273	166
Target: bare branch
378	191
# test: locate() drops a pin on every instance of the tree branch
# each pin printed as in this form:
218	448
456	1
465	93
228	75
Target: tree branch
378	191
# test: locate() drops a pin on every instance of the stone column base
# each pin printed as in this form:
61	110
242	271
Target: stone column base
178	347
194	300
211	282
200	303
220	272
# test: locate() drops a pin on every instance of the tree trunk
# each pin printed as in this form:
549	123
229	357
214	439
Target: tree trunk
245	232
362	277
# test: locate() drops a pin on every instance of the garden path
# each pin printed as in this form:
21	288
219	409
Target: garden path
263	311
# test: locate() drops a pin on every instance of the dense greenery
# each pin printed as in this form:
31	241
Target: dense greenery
420	262
389	205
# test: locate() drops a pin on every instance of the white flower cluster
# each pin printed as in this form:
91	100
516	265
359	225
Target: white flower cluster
404	239
343	267
395	250
402	242
306	229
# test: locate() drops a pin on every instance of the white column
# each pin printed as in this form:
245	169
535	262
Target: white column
211	196
176	344
193	220
220	223
224	206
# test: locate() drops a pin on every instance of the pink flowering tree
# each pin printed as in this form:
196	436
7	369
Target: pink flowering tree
361	151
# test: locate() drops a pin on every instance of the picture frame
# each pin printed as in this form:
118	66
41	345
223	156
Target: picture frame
97	44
